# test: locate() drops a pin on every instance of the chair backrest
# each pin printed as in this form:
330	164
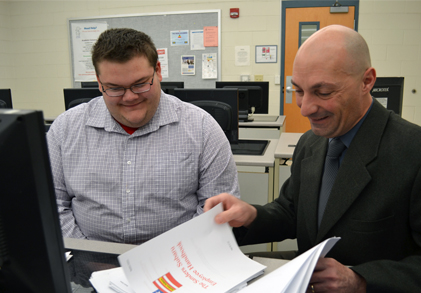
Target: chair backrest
5	99
77	96
74	103
220	111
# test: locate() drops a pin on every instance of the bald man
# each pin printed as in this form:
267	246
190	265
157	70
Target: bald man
375	202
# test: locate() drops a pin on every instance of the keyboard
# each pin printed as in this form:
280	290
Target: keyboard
249	147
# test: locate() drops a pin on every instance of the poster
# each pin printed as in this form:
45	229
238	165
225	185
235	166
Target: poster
210	37
209	66
163	59
84	36
196	40
188	65
242	55
179	38
266	54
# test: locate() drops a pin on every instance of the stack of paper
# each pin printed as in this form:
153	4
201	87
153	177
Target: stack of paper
295	275
202	256
197	256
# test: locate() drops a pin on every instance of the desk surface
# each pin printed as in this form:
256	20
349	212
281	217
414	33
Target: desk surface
96	246
266	160
286	144
264	121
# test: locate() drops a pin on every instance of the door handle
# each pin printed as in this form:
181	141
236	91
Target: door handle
290	89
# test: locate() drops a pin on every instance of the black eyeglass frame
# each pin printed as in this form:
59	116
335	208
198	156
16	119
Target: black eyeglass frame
129	88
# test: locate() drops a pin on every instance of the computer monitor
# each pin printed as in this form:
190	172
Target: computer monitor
31	245
389	92
89	84
258	93
216	102
169	86
77	96
5	99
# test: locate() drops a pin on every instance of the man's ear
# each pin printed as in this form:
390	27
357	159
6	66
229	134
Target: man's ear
158	71
99	83
369	78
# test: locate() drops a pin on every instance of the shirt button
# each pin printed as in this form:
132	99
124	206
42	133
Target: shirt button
129	162
127	190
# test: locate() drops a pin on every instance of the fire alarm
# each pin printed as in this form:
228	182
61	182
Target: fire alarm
234	12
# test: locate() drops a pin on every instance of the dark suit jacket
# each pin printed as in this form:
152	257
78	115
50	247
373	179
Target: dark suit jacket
374	206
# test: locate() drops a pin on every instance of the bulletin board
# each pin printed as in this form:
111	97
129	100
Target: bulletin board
159	27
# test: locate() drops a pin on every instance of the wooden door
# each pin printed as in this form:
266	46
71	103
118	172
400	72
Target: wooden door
299	23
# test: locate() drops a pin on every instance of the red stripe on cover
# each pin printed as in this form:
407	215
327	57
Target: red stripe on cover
171	278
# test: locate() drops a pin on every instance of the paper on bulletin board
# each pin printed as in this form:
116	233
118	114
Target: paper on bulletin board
179	38
188	65
163	59
210	36
84	36
196	40
209	66
242	55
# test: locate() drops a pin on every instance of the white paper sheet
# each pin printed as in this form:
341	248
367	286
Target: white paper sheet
197	256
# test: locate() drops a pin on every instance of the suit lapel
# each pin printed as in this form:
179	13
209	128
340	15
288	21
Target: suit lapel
310	183
353	175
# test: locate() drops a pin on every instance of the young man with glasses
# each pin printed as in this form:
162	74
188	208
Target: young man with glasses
135	162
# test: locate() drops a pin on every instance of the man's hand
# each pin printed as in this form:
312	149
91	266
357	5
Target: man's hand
331	276
236	212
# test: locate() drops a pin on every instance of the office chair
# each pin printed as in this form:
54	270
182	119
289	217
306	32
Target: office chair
78	102
220	111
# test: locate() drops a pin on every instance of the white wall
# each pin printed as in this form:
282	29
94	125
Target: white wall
392	30
6	69
35	58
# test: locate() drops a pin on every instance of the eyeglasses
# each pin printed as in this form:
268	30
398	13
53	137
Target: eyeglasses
136	88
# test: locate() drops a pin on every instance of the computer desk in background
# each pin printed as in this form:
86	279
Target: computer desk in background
283	153
255	177
262	127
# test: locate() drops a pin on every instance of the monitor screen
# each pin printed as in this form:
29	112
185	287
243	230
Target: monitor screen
5	99
389	92
31	245
169	86
261	104
225	99
77	96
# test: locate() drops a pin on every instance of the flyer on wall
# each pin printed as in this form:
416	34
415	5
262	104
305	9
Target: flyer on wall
196	37
163	59
209	66
84	36
188	65
179	38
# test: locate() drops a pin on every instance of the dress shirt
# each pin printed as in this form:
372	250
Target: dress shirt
349	136
112	186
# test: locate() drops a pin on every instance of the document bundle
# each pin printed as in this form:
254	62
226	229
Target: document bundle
202	256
